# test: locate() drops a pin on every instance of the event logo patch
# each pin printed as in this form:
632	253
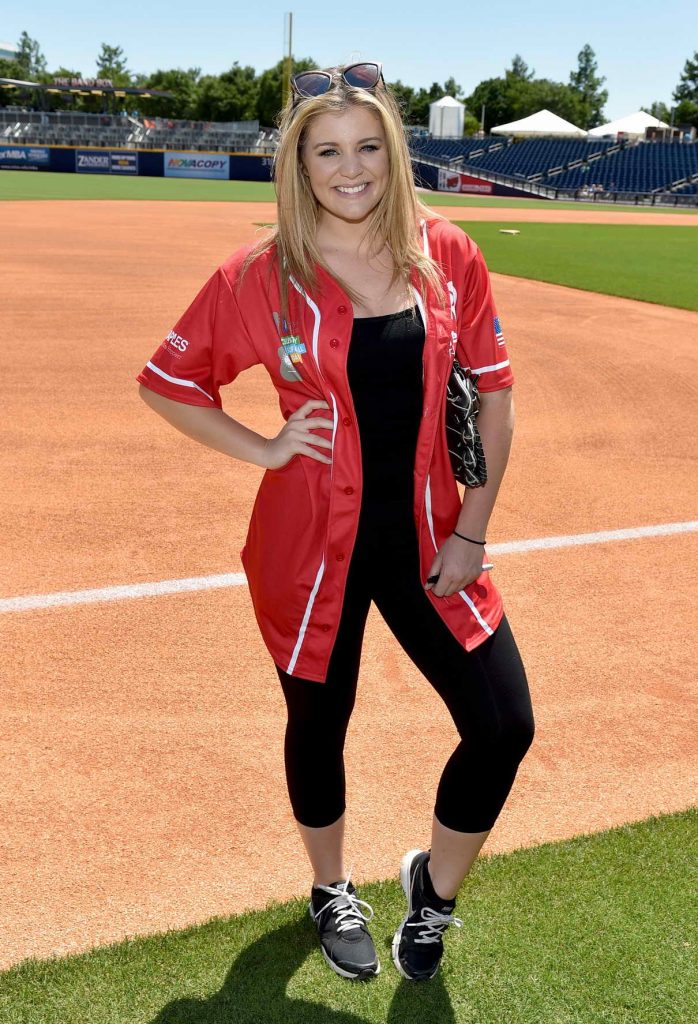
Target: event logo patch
290	351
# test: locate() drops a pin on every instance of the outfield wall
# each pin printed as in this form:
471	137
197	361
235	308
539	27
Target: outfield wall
167	163
150	163
441	179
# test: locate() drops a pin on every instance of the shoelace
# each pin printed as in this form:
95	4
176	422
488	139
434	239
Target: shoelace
347	907
433	924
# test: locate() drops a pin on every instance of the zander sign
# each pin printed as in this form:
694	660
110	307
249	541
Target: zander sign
90	162
196	165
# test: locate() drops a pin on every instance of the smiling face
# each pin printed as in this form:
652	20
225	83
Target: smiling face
345	157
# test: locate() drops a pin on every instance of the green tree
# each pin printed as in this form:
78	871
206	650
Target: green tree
452	88
471	124
519	94
687	89
111	63
519	69
494	95
415	105
10	69
231	96
658	109
29	57
183	87
404	95
686	93
62	100
587	84
269	98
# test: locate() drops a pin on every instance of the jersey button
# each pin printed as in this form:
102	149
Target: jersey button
340	557
348	490
341	309
325	628
346	421
334	343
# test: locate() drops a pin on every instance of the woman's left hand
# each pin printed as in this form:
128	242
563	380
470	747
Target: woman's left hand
458	563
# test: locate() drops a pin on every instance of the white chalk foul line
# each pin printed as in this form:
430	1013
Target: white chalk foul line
236	579
601	537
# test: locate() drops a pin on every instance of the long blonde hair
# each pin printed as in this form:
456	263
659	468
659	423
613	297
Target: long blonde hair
395	220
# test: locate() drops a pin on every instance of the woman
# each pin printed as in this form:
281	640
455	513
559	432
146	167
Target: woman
356	304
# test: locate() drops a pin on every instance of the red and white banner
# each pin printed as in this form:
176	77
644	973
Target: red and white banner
453	181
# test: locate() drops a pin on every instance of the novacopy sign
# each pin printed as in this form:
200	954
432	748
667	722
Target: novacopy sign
197	165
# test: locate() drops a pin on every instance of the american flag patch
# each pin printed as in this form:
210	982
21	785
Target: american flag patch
498	331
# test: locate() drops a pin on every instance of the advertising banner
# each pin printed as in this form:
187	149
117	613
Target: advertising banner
196	165
124	163
453	181
92	161
32	158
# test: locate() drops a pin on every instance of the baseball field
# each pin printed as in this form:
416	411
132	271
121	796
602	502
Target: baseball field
151	867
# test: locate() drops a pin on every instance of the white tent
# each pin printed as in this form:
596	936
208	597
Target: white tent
633	126
542	123
446	117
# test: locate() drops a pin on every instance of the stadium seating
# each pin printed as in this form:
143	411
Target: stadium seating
645	167
534	157
124	132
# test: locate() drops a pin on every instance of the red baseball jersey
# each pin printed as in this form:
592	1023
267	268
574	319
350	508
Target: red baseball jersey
305	516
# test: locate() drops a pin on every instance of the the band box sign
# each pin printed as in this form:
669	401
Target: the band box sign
31	158
92	161
197	165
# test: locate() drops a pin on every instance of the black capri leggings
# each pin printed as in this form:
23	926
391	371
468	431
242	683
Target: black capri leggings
485	690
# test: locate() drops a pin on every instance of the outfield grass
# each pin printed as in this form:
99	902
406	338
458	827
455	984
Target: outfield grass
595	930
453	199
654	264
47	185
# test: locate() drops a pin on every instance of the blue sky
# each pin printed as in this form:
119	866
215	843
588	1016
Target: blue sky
640	47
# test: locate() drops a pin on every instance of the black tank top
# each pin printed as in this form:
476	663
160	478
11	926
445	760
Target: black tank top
384	368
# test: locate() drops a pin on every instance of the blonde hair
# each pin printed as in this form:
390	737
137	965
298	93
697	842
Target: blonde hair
395	220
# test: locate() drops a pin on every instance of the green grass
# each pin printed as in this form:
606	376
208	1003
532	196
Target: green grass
453	199
47	185
594	930
655	264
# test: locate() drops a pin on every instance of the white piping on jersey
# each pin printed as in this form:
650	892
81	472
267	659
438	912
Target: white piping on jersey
321	570
485	369
316	314
427	493
425	238
301	633
177	380
420	303
468	600
335	419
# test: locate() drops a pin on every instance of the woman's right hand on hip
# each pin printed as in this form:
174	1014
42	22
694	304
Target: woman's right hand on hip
296	437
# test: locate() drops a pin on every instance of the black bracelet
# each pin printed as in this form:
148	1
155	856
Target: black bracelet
482	542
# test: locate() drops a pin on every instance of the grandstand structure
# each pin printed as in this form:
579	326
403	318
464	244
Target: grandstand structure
642	171
122	131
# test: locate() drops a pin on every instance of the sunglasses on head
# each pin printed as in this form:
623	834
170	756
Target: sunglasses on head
364	75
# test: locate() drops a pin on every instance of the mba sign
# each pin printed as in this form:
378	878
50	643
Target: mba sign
197	165
31	158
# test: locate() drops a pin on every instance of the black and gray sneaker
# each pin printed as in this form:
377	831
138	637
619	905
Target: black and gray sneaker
344	938
418	942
